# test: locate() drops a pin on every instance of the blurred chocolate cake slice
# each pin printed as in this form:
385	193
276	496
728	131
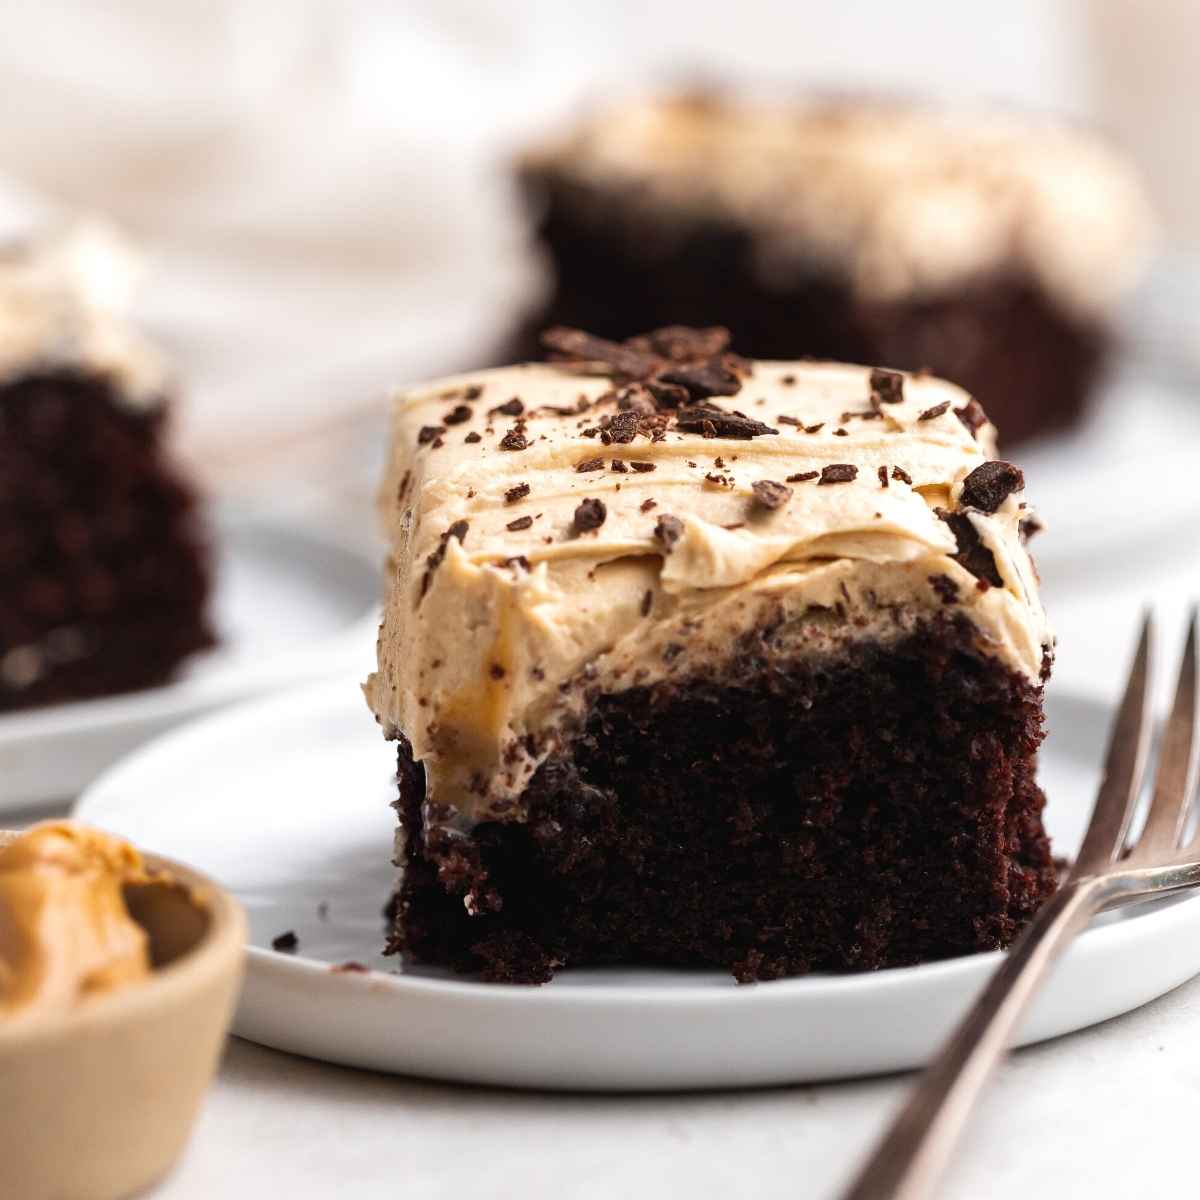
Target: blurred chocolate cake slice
104	565
705	661
989	248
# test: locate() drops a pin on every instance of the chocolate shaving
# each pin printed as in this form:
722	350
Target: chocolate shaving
428	432
647	603
682	343
883	477
473	437
704	380
972	553
590	515
519	523
769	494
931	414
668	530
1029	527
642	466
514	439
648	504
945	587
972	416
515	493
711	421
887	387
814	428
838	473
786	420
590	464
802	476
510	408
457	415
517	560
458	531
575	346
286	942
990	484
902	475
619	466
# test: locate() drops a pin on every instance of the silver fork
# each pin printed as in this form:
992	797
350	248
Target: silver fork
912	1155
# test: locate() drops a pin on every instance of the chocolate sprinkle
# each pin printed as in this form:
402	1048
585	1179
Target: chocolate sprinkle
459	531
802	476
514	439
883	477
886	386
931	414
972	553
515	493
990	484
590	464
945	587
590	515
769	494
457	415
711	421
972	416
839	473
515	526
668	530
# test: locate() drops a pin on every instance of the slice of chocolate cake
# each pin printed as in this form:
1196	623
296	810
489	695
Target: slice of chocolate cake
988	248
696	660
104	568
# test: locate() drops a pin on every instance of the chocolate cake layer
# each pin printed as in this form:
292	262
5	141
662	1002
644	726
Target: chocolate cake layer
104	566
782	816
990	249
657	605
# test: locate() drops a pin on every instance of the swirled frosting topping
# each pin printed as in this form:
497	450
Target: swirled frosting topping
64	299
624	516
901	200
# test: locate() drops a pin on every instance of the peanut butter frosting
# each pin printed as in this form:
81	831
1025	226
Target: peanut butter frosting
65	932
64	300
901	200
559	530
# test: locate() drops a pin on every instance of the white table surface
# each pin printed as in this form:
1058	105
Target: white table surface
1109	1112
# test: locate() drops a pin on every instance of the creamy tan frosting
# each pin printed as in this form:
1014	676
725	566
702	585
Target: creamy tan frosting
493	637
902	200
65	932
64	300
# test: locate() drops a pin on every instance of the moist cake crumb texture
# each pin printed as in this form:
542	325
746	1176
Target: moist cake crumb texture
773	706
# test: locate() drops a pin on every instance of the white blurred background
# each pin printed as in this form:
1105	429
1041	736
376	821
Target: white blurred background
322	187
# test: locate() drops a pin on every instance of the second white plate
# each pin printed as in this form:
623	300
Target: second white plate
291	604
286	801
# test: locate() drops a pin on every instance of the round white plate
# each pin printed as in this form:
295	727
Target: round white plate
291	604
286	801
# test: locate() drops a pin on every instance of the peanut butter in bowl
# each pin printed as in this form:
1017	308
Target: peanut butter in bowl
118	973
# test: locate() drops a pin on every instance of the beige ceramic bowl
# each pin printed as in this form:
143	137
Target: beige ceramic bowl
97	1104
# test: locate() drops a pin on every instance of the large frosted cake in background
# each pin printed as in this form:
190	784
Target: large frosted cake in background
990	248
698	660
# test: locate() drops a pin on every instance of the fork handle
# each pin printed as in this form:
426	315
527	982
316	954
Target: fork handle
910	1159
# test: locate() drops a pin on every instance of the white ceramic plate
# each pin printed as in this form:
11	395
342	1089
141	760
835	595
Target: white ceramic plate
291	604
285	801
